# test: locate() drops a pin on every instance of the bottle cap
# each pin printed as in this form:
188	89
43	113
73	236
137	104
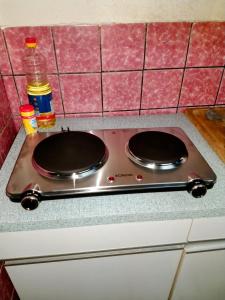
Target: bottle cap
39	89
26	108
31	42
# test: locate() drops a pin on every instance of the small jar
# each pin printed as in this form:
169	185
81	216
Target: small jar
46	120
29	120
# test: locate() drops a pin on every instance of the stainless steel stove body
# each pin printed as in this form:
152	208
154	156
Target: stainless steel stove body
118	174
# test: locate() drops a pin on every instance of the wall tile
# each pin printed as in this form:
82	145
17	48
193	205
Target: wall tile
221	95
7	292
81	93
17	122
12	94
200	86
77	48
1	163
6	138
207	45
21	83
5	67
56	96
121	113
15	296
6	287
121	90
166	45
161	88
60	116
182	109
5	111
1	121
158	111
15	38
122	46
84	115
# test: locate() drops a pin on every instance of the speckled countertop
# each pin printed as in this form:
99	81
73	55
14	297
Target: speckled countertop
114	208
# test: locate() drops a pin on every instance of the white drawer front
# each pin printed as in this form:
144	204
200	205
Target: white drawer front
92	238
207	229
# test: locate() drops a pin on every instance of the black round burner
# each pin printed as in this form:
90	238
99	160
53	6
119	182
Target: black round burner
157	150
69	153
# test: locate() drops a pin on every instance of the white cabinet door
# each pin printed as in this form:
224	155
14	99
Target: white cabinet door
201	277
142	276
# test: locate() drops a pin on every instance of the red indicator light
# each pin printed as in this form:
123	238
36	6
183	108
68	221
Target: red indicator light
111	179
139	177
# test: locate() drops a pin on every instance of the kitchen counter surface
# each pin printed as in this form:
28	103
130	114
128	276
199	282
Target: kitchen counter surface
211	129
114	208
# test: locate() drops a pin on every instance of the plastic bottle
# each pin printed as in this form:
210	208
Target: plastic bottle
38	88
29	119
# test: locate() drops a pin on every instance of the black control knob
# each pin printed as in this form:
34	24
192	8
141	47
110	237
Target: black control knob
30	201
197	188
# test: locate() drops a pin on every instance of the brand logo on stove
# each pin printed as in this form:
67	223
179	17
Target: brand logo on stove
123	175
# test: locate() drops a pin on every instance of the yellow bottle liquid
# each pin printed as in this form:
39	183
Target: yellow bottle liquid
38	88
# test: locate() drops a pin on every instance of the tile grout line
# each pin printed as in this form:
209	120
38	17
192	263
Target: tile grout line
185	63
7	52
220	83
144	56
7	124
122	71
11	66
101	71
144	109
57	68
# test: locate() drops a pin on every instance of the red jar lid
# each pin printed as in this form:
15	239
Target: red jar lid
46	117
30	40
26	108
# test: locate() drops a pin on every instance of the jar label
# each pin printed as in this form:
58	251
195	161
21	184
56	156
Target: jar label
30	125
41	103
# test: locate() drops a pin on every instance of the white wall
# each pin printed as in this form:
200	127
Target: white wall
47	12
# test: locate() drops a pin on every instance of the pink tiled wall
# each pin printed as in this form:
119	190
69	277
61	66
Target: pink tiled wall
7	292
7	135
122	69
7	127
